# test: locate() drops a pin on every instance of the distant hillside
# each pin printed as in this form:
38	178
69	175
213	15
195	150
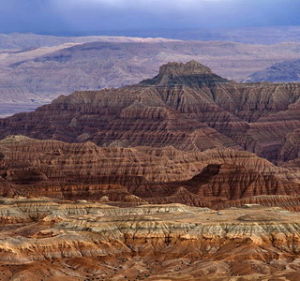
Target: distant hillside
288	71
25	41
41	74
248	35
34	69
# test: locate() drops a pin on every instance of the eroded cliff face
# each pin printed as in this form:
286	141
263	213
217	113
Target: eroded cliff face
185	105
60	240
133	176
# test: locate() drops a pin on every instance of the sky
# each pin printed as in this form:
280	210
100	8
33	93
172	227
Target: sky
104	16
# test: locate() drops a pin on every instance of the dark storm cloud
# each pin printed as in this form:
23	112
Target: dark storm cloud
28	15
88	16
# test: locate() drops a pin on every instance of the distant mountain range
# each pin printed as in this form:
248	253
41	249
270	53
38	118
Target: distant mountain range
248	35
287	71
26	41
35	69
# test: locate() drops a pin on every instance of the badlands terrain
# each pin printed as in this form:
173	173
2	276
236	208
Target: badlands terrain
187	136
184	176
49	240
214	178
186	106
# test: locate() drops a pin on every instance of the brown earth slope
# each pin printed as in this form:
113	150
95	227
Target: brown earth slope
185	105
131	176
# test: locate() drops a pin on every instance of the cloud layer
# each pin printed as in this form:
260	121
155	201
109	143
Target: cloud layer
96	16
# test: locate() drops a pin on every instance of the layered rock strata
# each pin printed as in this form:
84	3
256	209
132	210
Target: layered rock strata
133	176
60	240
185	105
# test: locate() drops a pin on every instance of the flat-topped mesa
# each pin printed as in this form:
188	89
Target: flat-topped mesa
190	68
191	73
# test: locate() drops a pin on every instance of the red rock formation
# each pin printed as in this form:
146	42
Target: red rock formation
157	175
186	106
175	138
291	148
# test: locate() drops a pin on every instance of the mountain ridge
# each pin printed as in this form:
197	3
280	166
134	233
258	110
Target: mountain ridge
286	71
190	116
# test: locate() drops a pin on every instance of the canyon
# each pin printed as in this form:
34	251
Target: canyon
183	176
186	136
